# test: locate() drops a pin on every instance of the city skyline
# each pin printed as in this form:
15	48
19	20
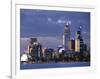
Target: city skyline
48	26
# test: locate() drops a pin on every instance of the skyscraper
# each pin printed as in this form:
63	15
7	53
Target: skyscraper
79	40
72	44
66	36
35	49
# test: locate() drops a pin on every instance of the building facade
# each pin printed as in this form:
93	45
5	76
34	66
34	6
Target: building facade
72	45
79	43
35	49
66	37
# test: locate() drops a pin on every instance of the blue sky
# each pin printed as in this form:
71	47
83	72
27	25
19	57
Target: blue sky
49	24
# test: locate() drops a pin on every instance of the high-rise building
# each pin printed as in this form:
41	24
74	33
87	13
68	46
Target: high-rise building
35	49
77	45
79	40
72	45
66	37
33	40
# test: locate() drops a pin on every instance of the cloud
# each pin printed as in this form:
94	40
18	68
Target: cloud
59	21
49	19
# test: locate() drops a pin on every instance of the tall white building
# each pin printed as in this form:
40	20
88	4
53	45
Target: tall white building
66	37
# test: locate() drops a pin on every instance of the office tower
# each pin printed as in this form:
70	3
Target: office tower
63	40
79	40
35	49
32	41
48	54
77	45
72	45
66	37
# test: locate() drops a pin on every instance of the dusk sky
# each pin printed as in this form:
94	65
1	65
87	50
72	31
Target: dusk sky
48	26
